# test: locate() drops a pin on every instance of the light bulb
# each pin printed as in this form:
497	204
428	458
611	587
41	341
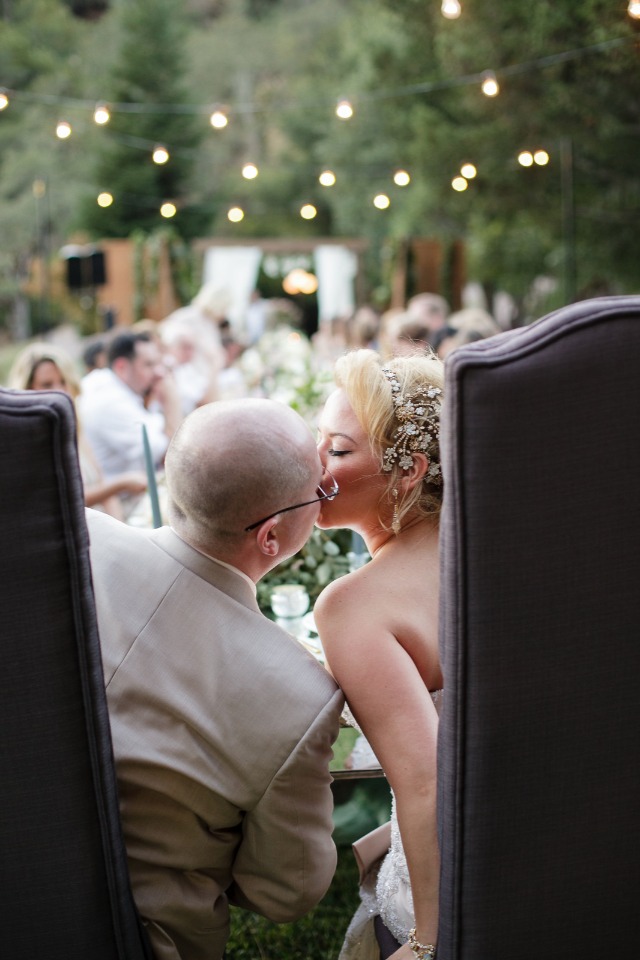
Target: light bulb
160	154
218	119
308	211
235	214
634	9
381	201
101	114
249	171
63	130
451	9
307	283
105	199
344	110
541	157
490	86
4	99
459	184
168	210
327	178
401	178
525	158
468	171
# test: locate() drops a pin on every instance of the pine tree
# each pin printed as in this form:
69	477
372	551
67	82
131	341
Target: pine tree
147	81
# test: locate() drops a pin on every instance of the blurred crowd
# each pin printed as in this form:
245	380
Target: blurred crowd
133	386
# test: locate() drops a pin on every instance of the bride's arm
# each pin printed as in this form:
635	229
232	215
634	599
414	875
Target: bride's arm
392	705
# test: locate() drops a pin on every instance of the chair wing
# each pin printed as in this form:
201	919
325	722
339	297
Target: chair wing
63	873
539	750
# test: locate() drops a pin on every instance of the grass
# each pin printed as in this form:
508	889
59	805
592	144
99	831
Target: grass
360	805
318	936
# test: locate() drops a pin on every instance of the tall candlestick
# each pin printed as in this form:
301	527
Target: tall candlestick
151	480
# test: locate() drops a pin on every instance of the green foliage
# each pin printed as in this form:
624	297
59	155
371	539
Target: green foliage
149	71
322	559
318	936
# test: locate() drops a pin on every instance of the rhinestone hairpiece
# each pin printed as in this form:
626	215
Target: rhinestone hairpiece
418	414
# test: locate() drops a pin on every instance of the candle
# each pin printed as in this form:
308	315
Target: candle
151	479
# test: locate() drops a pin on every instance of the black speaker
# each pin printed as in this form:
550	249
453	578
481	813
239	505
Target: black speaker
97	269
86	270
74	273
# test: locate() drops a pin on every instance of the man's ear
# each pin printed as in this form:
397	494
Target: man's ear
267	537
119	365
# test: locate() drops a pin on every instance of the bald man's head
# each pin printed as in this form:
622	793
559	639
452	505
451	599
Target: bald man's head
233	462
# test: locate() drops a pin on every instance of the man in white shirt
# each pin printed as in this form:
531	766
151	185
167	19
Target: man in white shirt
135	389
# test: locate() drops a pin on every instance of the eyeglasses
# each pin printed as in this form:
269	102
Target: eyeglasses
324	495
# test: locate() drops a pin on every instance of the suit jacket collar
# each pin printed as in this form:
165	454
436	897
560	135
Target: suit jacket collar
205	567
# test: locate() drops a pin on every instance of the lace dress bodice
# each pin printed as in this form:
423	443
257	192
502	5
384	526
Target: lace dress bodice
388	893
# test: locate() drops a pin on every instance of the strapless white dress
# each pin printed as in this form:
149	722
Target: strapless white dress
385	891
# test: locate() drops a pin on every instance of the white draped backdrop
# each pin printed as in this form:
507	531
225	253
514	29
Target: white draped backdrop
234	271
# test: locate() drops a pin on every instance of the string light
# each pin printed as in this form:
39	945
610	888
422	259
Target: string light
218	119
459	184
541	157
327	178
468	171
634	9
235	214
451	9
381	201
344	110
525	158
101	114
168	210
299	281
308	211
401	178
4	99
160	154
105	199
490	86
63	130
249	171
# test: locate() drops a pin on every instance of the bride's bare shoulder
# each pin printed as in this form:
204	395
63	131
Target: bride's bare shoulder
345	596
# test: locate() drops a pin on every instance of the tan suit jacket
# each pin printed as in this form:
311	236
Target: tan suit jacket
222	728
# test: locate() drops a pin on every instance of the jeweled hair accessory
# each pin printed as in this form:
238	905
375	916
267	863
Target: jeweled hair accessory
418	414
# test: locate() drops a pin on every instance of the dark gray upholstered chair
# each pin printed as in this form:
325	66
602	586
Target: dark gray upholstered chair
539	751
64	885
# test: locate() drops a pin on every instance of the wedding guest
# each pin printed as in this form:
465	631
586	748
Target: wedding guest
222	723
134	390
203	316
364	329
407	336
432	310
195	383
467	326
94	355
44	366
379	624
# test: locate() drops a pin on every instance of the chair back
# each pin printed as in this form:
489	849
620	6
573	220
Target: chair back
539	742
64	883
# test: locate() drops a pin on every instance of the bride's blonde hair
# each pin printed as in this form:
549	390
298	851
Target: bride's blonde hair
372	395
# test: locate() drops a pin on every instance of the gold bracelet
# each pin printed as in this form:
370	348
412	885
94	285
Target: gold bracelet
422	951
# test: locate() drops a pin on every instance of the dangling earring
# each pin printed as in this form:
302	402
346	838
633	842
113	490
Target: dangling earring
395	520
